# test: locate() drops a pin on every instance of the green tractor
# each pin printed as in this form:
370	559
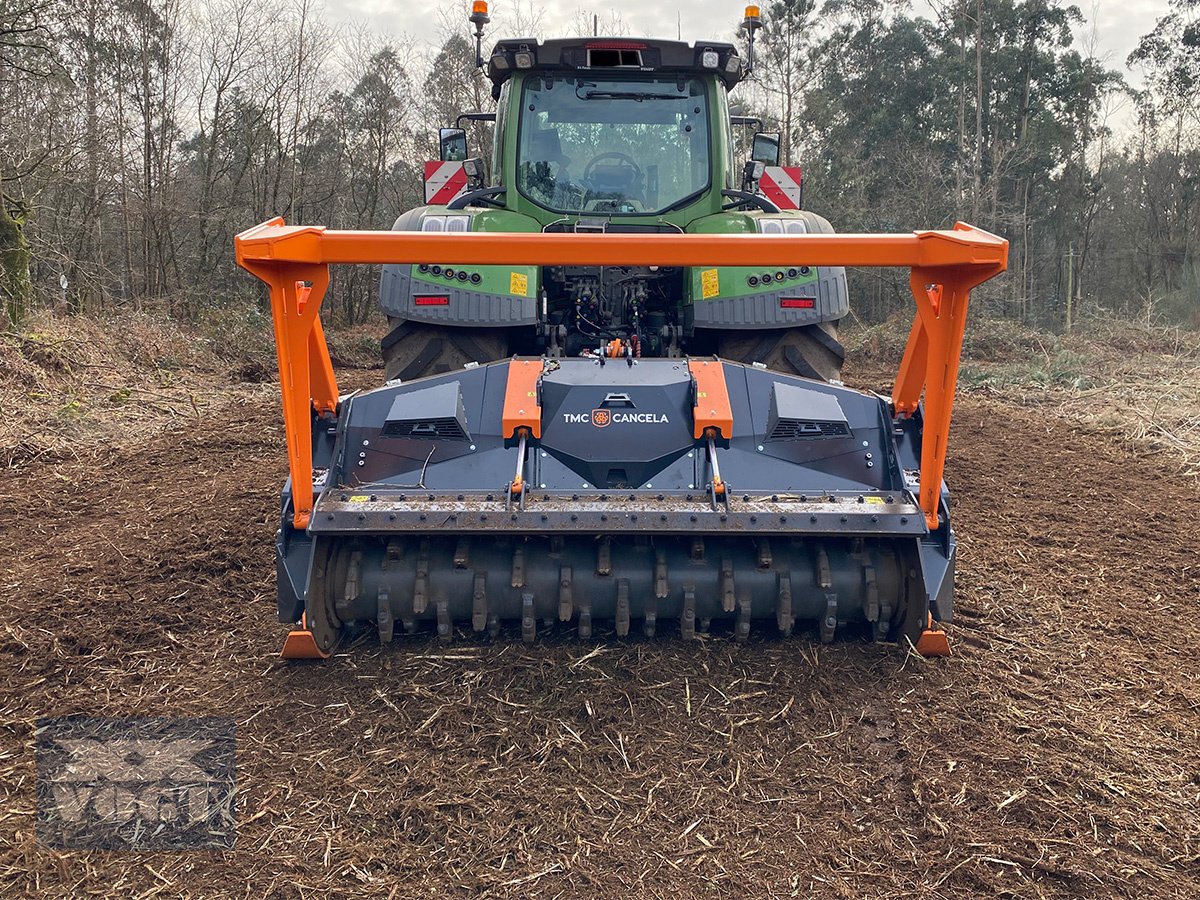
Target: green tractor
612	135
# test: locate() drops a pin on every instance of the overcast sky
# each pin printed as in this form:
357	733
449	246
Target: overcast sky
1114	26
1118	23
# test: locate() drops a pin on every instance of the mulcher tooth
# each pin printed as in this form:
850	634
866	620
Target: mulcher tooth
479	606
622	613
783	605
661	588
871	608
445	629
585	619
824	575
528	618
650	622
421	584
687	619
384	618
604	556
830	620
764	554
727	596
518	567
742	628
566	606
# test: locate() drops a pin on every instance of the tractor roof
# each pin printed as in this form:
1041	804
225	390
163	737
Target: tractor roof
614	56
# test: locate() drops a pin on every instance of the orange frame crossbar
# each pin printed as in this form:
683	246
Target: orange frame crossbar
294	262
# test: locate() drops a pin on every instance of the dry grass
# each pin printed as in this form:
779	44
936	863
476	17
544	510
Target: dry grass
1131	382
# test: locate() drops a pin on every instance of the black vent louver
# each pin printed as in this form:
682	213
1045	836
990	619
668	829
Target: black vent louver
433	414
799	413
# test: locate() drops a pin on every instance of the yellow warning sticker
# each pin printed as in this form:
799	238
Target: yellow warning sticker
710	284
876	500
518	284
359	498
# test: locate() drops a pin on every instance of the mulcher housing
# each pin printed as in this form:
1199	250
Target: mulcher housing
620	493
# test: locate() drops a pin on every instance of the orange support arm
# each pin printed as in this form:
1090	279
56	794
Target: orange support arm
294	262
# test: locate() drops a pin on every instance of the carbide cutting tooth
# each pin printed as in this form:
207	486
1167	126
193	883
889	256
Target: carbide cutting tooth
493	627
444	628
585	619
421	583
462	552
727	597
687	618
528	619
661	589
479	609
872	606
829	620
566	606
697	549
354	576
764	554
622	615
393	553
651	620
383	617
604	556
783	605
518	566
824	576
742	628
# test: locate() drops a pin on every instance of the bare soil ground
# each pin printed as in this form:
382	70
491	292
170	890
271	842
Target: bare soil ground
1056	754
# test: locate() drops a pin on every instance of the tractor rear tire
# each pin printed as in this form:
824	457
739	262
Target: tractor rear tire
810	351
416	349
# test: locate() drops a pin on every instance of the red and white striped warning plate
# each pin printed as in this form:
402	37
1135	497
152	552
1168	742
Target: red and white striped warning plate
781	185
444	181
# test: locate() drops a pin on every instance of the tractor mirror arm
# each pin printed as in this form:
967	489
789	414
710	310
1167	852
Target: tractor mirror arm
483	195
745	198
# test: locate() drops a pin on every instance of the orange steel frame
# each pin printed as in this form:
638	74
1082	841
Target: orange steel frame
294	262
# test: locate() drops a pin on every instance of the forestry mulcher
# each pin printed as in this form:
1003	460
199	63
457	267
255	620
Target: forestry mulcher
613	399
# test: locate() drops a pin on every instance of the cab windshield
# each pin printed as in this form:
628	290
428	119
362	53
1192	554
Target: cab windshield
613	146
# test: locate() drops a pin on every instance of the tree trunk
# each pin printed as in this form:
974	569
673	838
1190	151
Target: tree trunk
16	288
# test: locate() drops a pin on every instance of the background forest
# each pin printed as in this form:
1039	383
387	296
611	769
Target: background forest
137	136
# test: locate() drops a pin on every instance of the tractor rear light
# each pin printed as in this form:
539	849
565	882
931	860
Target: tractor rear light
523	59
770	226
795	226
500	62
431	300
797	303
709	59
